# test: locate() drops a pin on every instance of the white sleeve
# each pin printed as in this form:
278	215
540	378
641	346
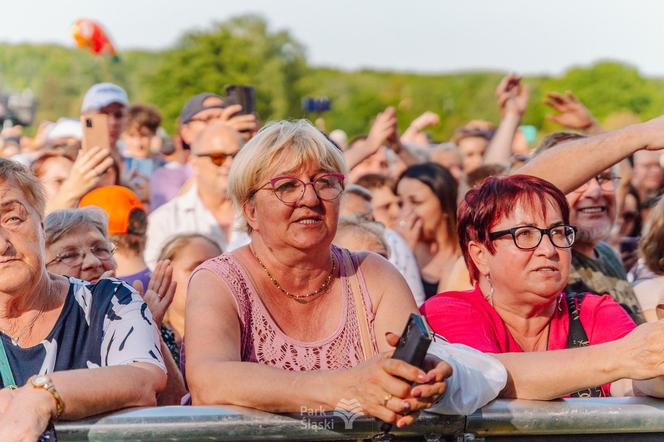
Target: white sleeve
477	378
156	235
130	334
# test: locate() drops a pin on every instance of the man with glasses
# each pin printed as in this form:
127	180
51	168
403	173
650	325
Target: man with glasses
206	207
595	265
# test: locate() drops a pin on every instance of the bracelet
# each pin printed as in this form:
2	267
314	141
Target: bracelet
44	382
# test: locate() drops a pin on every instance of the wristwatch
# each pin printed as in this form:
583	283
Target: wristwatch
45	383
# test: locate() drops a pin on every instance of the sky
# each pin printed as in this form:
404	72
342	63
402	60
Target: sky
524	36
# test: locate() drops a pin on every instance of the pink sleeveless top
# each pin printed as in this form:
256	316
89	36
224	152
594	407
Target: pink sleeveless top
263	341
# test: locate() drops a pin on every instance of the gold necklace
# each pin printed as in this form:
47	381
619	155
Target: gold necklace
302	299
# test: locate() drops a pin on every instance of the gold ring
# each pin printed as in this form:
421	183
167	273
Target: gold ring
386	399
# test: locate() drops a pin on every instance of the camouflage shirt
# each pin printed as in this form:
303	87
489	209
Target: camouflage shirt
604	274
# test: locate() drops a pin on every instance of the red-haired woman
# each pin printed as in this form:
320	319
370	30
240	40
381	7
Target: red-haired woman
515	236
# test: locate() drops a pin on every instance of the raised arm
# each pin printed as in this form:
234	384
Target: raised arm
573	163
512	98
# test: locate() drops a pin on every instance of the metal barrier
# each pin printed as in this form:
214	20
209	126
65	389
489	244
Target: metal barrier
568	419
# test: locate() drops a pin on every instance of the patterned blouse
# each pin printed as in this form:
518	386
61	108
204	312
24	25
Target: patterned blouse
100	325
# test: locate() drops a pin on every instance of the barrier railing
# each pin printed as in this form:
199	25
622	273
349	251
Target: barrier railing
569	419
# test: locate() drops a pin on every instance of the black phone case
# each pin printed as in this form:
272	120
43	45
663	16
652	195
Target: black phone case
414	342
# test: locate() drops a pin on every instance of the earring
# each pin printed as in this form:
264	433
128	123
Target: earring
489	297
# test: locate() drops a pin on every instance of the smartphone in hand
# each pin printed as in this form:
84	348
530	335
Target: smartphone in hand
95	131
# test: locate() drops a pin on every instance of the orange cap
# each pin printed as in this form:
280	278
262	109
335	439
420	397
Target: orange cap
117	201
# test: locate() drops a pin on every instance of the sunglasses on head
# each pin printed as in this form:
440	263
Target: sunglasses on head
217	158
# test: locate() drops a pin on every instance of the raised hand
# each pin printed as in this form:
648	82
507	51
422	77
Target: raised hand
160	291
571	112
512	95
247	124
383	129
414	133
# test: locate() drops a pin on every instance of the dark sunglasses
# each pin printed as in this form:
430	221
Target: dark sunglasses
217	158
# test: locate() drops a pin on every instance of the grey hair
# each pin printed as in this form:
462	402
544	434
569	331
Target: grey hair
358	224
26	181
358	190
59	222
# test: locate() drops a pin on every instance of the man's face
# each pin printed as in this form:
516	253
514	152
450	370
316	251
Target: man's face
199	121
593	208
116	119
386	206
138	140
648	174
472	152
212	161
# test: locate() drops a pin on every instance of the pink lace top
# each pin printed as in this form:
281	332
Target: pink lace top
263	341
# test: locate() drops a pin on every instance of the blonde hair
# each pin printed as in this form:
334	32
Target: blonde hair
179	242
277	145
652	242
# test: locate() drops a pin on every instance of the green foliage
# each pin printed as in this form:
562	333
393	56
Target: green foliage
239	51
245	50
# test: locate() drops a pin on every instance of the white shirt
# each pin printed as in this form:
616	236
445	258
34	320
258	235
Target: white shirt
403	259
184	214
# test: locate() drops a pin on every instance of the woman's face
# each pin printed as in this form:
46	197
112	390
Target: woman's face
418	198
308	223
184	262
55	172
535	275
82	240
21	240
629	213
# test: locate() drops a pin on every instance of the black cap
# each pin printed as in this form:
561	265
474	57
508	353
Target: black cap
195	105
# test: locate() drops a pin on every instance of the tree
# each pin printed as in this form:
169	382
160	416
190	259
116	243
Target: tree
241	50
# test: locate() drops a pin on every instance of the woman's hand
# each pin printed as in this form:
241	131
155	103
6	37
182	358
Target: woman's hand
160	291
409	226
26	415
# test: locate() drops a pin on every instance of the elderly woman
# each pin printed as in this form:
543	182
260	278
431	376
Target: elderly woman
57	343
69	233
516	239
305	323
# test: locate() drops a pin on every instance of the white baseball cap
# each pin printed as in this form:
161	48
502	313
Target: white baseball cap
103	94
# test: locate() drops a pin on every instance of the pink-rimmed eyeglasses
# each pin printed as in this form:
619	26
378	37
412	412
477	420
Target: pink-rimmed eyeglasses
290	190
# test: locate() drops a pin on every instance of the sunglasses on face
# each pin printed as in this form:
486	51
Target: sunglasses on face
217	158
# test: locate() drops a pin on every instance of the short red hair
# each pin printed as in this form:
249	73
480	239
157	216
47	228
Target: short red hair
484	206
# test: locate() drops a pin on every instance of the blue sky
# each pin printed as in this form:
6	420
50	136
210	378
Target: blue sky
416	35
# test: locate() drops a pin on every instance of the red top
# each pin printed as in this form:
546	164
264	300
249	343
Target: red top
467	318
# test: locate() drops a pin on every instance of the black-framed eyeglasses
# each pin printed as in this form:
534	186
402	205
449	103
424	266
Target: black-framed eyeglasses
217	158
74	258
606	181
289	189
530	237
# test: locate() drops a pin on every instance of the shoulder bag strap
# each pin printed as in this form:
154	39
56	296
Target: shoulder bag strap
578	337
5	369
360	311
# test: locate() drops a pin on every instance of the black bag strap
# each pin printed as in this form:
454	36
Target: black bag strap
578	337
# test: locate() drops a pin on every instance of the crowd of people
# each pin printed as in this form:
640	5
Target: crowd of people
273	267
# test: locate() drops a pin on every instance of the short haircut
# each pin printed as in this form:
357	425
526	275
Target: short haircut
354	224
137	224
142	115
58	223
26	182
372	181
555	139
358	190
484	206
284	143
444	187
652	243
476	176
177	243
